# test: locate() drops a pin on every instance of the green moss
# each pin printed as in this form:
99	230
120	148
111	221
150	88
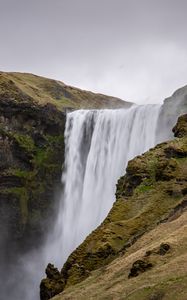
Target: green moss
41	156
152	168
22	173
25	142
35	182
144	187
46	156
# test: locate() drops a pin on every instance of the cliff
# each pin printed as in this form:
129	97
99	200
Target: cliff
31	157
143	236
32	122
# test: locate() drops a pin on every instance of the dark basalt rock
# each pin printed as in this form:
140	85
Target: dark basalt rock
138	267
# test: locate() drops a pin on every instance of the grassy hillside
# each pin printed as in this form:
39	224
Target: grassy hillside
40	90
166	280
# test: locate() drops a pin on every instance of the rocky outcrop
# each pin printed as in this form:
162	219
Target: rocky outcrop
54	283
180	128
138	267
152	189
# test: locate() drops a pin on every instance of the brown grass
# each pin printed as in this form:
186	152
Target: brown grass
43	90
167	280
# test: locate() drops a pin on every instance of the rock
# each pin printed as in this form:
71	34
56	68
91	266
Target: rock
53	284
163	249
180	129
52	272
138	267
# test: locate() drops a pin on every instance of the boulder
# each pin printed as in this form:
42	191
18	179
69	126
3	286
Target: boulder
138	267
53	284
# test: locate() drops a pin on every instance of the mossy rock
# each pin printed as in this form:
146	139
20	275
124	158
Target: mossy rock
180	129
53	284
138	267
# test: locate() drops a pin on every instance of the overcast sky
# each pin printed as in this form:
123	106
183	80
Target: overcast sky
133	49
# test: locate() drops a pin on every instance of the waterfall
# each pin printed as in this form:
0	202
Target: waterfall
98	146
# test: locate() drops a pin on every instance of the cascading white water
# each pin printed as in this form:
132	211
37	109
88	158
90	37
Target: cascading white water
99	144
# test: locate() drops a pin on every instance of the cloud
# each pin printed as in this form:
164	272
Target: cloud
134	49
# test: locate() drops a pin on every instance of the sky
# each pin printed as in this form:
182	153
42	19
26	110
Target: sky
132	49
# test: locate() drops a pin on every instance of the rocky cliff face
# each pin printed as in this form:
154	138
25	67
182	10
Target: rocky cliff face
31	156
32	122
152	192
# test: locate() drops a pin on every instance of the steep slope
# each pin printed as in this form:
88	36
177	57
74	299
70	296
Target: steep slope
40	90
166	279
153	191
